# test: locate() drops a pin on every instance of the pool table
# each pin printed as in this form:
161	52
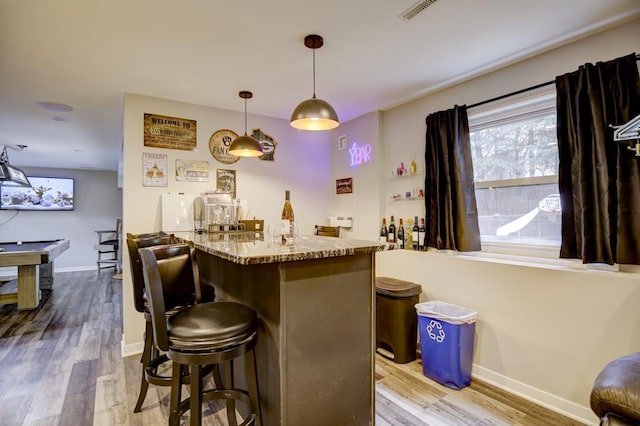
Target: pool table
34	260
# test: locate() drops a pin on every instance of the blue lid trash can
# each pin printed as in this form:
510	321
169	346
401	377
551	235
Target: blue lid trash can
447	334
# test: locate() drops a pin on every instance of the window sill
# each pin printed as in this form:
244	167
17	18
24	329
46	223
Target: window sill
536	256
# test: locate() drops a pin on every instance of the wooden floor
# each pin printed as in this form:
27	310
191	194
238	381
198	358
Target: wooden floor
61	365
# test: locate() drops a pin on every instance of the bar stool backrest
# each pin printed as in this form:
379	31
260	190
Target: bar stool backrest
170	278
133	244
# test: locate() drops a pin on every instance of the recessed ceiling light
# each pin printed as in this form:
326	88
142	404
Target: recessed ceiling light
75	150
58	119
55	106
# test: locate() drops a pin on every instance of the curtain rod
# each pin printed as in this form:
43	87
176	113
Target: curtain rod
517	92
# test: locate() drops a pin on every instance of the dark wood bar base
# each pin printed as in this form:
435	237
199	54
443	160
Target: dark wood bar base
315	341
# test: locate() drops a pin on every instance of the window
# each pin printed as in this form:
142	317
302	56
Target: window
515	165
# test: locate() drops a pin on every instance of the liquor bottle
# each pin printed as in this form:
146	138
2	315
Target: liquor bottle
286	224
422	232
400	238
415	233
392	232
408	234
383	231
414	166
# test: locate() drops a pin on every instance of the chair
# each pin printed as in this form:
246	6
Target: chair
615	396
327	231
151	358
109	246
199	335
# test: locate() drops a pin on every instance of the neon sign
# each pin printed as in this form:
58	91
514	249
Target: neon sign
360	154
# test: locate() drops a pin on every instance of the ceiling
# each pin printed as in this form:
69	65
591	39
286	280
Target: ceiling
88	53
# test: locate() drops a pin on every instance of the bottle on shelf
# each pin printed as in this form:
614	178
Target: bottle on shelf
415	233
422	233
287	218
400	238
408	234
391	238
384	233
414	166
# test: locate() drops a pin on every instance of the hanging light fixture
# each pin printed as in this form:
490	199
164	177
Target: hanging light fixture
9	175
245	145
314	113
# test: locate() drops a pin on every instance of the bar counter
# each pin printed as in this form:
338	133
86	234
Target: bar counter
315	298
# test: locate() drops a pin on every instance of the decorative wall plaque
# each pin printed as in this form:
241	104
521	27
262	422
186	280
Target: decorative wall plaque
267	143
169	132
154	169
344	186
226	181
219	146
192	170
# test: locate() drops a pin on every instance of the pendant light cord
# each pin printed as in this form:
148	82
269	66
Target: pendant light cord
314	73
245	116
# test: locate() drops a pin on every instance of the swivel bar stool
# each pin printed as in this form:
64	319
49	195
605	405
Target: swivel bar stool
199	335
151	358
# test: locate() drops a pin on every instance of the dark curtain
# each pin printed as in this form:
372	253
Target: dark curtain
451	212
598	178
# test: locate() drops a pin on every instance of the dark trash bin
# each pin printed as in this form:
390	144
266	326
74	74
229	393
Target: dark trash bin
396	322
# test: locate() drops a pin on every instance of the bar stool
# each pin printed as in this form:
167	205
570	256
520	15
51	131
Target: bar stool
198	335
151	358
396	318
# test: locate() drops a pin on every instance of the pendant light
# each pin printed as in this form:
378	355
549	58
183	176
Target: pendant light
245	145
314	113
10	175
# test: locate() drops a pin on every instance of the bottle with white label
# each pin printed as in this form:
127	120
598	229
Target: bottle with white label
383	231
286	223
422	232
415	234
392	232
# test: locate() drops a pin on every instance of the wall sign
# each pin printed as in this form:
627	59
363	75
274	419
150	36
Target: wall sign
360	154
267	143
226	181
344	186
219	146
192	171
169	132
154	169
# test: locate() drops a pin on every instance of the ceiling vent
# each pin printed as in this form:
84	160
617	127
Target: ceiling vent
415	9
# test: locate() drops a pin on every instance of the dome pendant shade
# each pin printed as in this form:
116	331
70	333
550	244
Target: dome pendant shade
245	145
314	113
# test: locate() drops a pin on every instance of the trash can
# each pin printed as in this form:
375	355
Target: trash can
447	334
396	322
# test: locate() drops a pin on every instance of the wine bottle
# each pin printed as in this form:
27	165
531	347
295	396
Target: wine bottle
401	234
422	232
415	233
286	224
392	232
408	234
384	233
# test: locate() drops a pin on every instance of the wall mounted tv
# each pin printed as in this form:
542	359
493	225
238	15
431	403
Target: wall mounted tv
45	194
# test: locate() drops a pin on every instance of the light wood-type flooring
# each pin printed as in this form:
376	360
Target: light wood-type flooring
61	365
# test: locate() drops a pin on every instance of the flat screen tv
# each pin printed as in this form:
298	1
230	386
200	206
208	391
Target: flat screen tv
45	194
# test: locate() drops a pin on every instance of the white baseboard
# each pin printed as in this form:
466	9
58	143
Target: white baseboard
552	402
131	349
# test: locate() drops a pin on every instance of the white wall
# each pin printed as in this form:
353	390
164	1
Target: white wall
98	203
302	164
365	203
543	333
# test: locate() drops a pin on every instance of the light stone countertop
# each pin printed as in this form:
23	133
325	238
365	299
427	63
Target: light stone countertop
248	248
